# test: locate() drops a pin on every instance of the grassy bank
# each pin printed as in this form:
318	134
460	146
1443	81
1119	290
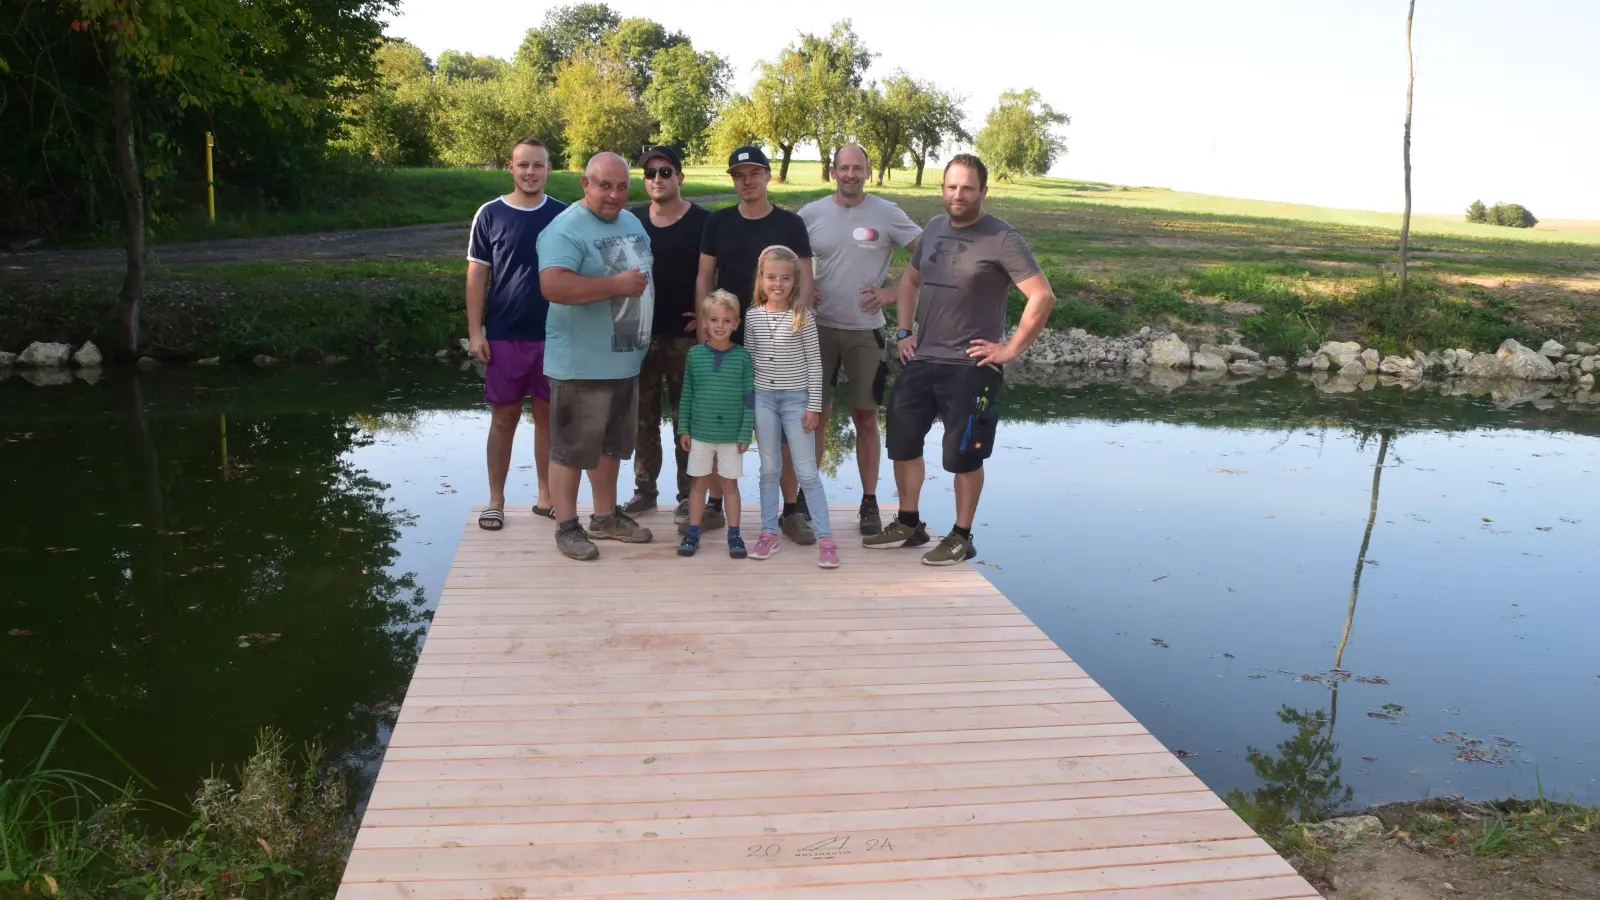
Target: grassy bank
1284	277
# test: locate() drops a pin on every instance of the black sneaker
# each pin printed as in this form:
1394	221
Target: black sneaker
736	547
641	503
689	544
871	519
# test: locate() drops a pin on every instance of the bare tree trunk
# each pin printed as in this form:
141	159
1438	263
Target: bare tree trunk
1405	223
1361	555
783	169
922	160
132	211
827	163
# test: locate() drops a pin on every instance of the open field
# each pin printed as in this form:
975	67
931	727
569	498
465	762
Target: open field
1284	276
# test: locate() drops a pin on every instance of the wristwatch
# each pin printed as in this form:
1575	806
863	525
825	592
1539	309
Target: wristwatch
902	334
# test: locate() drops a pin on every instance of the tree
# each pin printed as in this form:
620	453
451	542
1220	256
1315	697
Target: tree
1018	135
886	118
565	31
782	103
837	65
393	122
454	65
936	122
1405	222
636	42
1511	215
481	120
593	91
686	88
1477	213
736	125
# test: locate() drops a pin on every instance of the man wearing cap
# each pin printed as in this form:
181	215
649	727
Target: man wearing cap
675	227
729	251
853	234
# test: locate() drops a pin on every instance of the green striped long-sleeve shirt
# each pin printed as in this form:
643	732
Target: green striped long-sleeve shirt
718	405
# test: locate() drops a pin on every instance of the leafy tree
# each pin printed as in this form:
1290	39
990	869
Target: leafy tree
685	91
636	42
1511	215
1477	213
886	119
838	65
481	120
737	124
937	122
593	92
455	65
393	122
1018	136
782	100
565	31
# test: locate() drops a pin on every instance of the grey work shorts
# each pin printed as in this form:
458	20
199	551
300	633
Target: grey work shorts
592	417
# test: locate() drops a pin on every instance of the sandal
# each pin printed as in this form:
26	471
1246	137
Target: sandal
492	519
549	512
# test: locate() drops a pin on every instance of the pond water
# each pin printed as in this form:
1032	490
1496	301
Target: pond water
188	556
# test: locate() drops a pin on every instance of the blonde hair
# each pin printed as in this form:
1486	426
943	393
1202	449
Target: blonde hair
719	298
799	306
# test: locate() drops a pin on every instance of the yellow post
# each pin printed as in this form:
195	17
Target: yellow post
211	190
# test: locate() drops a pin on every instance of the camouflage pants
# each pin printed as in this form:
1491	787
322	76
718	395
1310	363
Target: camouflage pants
662	369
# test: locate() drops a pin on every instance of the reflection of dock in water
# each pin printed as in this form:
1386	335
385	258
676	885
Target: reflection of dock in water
650	726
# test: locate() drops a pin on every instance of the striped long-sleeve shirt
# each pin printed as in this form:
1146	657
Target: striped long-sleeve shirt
786	360
718	405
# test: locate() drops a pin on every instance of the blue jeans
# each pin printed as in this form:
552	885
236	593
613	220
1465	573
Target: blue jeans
777	416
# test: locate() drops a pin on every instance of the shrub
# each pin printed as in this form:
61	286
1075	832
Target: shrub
1511	215
1477	213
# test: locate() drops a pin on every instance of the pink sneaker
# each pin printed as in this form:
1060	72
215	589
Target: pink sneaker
766	545
827	553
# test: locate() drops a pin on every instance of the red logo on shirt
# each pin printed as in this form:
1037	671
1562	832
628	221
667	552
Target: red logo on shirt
865	234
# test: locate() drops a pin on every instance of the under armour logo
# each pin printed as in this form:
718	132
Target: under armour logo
945	249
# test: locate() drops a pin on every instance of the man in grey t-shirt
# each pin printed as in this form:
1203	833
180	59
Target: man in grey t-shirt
853	234
964	264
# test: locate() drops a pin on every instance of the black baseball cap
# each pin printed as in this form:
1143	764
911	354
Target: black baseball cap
748	155
668	153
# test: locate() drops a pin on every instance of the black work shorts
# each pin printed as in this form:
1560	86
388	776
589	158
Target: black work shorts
965	398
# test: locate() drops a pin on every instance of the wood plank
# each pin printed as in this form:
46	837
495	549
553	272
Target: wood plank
646	725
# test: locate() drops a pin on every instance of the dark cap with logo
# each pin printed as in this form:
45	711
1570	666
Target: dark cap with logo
667	153
748	155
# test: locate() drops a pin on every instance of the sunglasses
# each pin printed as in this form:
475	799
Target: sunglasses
663	172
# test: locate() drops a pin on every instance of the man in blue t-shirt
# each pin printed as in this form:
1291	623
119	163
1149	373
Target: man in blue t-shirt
595	267
506	320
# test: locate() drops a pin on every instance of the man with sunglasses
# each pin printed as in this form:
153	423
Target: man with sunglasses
675	226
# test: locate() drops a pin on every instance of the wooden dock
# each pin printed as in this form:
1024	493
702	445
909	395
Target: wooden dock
653	727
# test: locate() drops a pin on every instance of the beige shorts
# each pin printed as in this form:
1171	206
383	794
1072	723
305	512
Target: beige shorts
726	458
862	356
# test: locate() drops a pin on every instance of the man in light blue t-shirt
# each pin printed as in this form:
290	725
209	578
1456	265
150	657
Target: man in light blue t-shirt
595	269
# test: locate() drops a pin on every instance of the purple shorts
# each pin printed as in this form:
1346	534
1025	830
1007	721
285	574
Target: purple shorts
514	371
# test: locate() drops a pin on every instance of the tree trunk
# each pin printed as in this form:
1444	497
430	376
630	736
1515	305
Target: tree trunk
783	167
883	166
922	160
132	211
827	163
1405	223
1361	555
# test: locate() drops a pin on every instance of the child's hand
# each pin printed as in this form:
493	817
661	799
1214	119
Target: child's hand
810	421
684	441
742	447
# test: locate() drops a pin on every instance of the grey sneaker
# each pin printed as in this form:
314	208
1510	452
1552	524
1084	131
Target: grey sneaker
798	527
953	549
897	534
641	503
618	527
574	543
680	515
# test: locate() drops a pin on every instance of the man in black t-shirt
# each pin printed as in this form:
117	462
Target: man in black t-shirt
729	250
675	227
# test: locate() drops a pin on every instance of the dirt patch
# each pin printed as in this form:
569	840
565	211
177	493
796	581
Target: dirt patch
1386	870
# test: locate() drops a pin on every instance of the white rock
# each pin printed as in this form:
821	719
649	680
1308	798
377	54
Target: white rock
1321	362
1246	367
149	362
263	360
1583	348
1372	358
1340	353
1586	381
1586	364
442	354
7	360
1305	363
1397	365
1170	352
1523	363
88	355
1486	365
209	361
466	347
1354	369
1277	362
40	355
1239	351
1552	350
1214	350
1208	362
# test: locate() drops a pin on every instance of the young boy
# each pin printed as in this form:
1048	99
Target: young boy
716	417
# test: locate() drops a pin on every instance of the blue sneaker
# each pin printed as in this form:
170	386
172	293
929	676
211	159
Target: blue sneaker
736	546
689	544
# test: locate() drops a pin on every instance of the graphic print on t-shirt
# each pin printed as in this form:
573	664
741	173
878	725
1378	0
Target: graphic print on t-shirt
946	260
865	234
630	316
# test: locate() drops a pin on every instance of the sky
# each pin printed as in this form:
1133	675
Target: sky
1282	100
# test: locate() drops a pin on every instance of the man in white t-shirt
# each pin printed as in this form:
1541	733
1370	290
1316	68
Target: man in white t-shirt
853	234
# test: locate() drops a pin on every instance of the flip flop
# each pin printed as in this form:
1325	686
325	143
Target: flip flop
549	512
492	519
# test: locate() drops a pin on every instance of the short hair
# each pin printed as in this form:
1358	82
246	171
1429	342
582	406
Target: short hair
866	158
720	298
971	161
531	142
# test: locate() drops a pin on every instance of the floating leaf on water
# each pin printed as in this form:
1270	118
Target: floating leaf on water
1544	528
1227	656
1571	521
1160	577
1370	758
979	562
1258	676
1371	562
1371	679
1160	643
1230	471
1183	754
20	632
1389	712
